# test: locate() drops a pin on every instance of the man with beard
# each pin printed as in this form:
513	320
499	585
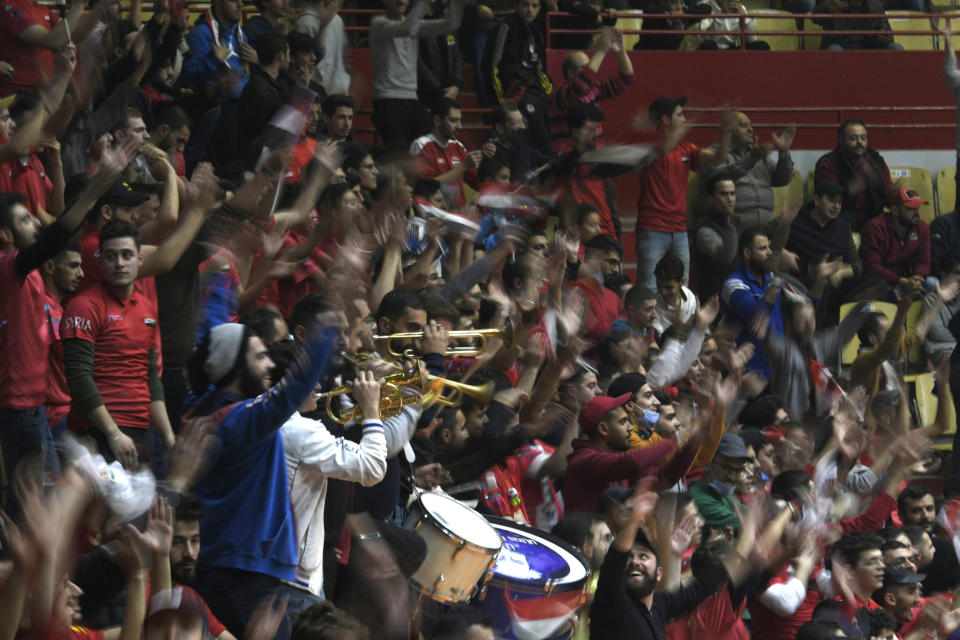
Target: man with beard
440	155
604	458
916	506
248	542
625	605
508	143
61	278
184	549
860	170
896	245
754	289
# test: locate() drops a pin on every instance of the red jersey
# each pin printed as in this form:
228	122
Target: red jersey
34	65
436	158
543	504
24	337
767	624
603	307
712	618
581	187
30	180
123	333
662	205
58	393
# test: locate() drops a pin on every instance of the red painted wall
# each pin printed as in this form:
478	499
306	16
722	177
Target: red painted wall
753	79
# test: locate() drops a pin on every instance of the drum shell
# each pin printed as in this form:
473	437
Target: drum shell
453	567
501	593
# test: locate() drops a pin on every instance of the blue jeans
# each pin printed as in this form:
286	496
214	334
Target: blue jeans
24	433
300	601
652	246
233	594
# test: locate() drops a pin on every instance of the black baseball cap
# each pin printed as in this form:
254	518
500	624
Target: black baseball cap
121	194
664	106
894	575
828	188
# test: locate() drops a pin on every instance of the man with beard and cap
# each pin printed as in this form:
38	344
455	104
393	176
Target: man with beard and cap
900	593
604	458
248	542
754	289
184	548
861	171
625	605
896	245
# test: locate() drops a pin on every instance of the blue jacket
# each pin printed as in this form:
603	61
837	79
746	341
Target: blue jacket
247	522
203	68
742	297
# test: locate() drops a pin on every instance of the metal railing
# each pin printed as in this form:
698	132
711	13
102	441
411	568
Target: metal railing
742	31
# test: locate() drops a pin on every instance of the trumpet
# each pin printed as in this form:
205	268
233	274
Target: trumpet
502	333
393	398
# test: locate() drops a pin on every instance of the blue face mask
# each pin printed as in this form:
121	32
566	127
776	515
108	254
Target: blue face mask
722	488
651	417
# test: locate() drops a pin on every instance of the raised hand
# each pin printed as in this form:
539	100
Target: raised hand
707	313
683	534
783	141
366	391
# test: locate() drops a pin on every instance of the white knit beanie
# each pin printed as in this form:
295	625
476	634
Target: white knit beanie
225	343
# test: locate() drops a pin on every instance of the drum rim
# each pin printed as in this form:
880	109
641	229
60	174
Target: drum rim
446	530
528	587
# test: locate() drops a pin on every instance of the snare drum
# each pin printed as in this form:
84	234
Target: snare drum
539	583
461	547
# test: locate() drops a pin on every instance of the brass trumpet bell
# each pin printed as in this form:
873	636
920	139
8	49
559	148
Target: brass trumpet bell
503	333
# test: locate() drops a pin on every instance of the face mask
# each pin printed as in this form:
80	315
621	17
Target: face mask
722	488
651	417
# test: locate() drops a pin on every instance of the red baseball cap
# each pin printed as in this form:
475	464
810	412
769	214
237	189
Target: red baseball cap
593	411
908	197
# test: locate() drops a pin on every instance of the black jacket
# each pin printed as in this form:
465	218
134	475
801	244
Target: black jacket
615	616
515	61
440	65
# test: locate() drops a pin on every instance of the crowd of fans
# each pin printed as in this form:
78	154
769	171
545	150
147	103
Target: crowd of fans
204	433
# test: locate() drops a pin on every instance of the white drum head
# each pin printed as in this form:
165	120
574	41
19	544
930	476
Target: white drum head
459	520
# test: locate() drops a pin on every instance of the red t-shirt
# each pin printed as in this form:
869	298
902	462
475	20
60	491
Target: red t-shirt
581	187
768	625
24	337
302	154
58	393
436	158
30	180
712	618
662	204
33	65
123	333
603	307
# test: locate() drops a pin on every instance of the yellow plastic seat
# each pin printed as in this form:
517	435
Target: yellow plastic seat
791	194
778	21
900	22
849	353
856	239
917	356
920	181
630	21
946	190
815	31
927	403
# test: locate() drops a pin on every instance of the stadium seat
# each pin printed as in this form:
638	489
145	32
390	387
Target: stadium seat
946	190
900	22
917	357
810	186
629	21
812	41
791	194
920	181
849	352
927	402
778	21
856	239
